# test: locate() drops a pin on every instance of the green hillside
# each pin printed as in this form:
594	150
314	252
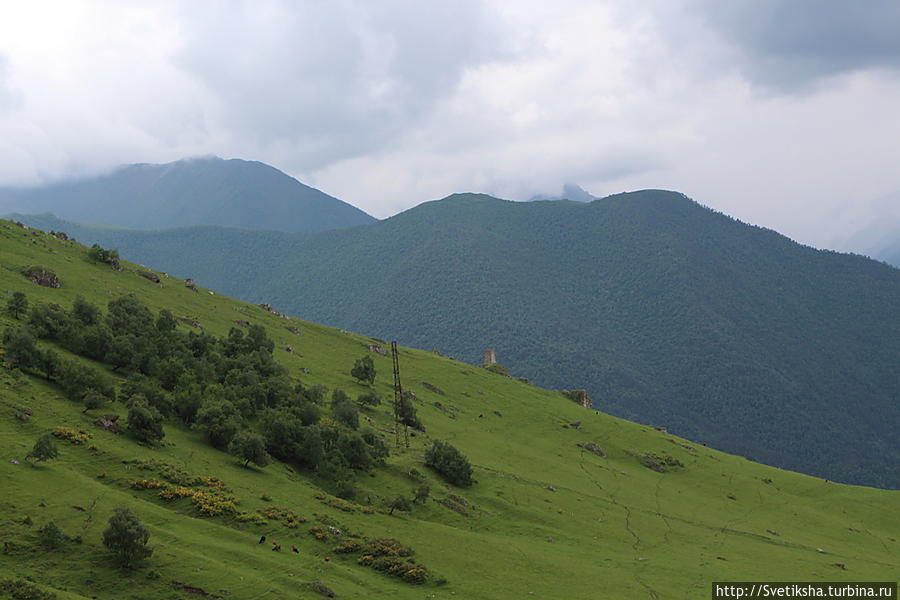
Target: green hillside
201	191
651	515
666	312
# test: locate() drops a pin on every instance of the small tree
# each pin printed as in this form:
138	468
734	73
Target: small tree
364	370
127	538
450	463
17	305
144	421
44	449
92	400
346	413
399	503
421	494
249	447
370	398
50	536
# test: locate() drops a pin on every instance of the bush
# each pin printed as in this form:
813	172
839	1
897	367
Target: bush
17	305
364	370
50	537
345	413
369	398
44	449
249	447
20	589
450	463
127	538
144	421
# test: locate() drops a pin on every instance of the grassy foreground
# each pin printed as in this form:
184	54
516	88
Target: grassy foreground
545	518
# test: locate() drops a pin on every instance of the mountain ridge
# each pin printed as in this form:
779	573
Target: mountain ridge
668	312
189	192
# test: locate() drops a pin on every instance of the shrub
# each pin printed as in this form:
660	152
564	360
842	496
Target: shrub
50	537
249	447
370	398
345	413
44	449
364	370
144	421
449	462
17	305
127	538
19	589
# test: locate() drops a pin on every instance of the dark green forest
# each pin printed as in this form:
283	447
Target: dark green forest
667	312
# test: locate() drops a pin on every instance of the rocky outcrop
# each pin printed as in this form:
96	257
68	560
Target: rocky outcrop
42	276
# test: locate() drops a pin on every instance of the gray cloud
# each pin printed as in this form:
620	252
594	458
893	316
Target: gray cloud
333	80
789	44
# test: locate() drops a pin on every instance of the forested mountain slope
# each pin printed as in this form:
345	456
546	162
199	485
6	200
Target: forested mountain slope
665	311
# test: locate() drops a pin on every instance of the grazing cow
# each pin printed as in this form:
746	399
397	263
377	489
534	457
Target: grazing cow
262	539
276	547
295	549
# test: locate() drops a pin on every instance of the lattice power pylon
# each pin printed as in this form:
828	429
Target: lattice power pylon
398	395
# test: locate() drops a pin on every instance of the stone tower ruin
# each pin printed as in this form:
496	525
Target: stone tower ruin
490	357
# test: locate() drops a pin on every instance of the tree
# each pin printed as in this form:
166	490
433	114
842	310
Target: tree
50	536
144	421
219	420
370	398
399	503
92	400
17	305
407	412
364	370
21	347
44	449
421	494
85	312
127	538
450	463
346	413
249	447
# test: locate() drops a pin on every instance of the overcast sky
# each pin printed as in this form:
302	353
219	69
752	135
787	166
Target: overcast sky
783	113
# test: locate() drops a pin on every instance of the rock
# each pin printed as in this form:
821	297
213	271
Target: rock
592	447
149	275
575	425
294	330
377	349
42	276
579	396
242	323
289	349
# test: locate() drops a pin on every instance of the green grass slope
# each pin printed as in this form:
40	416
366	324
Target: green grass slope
666	312
200	191
545	518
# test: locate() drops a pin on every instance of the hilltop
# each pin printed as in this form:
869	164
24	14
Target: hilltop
667	312
566	501
199	191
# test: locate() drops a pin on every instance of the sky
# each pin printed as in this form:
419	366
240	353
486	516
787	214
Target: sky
782	113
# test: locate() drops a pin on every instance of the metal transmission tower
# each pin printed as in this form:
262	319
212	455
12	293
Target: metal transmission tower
398	395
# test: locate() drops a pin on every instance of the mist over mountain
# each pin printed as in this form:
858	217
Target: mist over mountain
570	191
200	191
667	312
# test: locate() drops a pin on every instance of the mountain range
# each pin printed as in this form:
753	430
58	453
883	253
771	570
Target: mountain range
199	191
665	311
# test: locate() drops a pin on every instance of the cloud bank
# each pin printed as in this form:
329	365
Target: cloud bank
782	113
